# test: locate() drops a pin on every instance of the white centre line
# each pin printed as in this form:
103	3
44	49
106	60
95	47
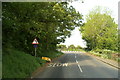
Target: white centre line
76	61
78	65
80	68
75	56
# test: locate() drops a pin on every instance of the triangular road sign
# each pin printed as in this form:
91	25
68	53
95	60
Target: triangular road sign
35	41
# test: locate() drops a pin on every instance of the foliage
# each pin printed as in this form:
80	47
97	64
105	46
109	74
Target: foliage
49	22
71	47
100	31
79	47
17	64
108	54
61	47
15	67
118	40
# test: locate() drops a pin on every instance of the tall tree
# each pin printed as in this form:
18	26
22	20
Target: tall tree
100	30
46	21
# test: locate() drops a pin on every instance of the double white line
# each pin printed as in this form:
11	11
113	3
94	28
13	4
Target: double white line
78	65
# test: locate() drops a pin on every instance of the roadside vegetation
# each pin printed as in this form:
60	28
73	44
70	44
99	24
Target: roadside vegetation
70	48
101	34
18	64
107	54
49	22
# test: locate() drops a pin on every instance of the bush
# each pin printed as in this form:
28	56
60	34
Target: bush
104	56
118	59
17	64
104	53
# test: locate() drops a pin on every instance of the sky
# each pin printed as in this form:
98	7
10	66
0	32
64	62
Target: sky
84	8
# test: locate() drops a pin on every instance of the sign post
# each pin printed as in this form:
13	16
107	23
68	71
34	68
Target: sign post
35	43
35	52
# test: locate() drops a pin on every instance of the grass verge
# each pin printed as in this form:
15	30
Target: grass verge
20	65
106	54
17	64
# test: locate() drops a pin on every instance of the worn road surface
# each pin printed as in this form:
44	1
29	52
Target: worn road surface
77	65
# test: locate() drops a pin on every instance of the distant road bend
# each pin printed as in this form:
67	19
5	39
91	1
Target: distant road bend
77	65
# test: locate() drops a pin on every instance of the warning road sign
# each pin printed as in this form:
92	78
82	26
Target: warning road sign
35	41
35	45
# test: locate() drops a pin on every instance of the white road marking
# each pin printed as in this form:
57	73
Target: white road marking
76	61
57	64
75	55
50	65
54	65
65	64
80	68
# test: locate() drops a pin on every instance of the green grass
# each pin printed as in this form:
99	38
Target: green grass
0	69
107	54
17	64
55	54
52	54
0	63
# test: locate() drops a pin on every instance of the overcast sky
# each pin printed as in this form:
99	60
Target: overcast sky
84	8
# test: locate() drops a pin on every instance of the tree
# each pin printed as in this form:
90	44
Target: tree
62	47
78	47
71	47
45	21
100	30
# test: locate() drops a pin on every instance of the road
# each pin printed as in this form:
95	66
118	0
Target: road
77	65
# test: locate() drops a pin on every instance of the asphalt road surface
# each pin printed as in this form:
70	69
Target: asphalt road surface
77	65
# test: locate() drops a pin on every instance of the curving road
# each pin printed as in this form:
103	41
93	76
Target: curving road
78	65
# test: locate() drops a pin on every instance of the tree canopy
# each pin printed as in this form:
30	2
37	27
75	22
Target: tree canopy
100	31
49	22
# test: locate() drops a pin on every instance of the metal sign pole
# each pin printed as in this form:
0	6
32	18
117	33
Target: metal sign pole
35	52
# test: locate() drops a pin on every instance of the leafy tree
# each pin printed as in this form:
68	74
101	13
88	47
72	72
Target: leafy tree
78	47
100	31
71	47
46	21
62	47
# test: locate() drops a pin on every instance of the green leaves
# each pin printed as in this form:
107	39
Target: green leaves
46	21
100	31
